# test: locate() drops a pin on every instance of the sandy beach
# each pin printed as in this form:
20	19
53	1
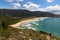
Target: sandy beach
20	23
26	21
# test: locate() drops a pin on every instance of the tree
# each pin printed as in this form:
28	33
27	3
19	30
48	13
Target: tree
4	25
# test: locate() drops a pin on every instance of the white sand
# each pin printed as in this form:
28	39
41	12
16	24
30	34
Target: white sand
20	23
26	21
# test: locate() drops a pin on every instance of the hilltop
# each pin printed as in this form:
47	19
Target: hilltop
26	13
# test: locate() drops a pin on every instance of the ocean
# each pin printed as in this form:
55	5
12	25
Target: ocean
46	24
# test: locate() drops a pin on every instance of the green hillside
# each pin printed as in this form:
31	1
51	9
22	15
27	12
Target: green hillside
9	33
24	34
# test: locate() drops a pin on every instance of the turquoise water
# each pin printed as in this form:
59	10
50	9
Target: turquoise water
50	25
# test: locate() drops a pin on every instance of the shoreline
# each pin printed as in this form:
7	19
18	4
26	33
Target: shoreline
16	25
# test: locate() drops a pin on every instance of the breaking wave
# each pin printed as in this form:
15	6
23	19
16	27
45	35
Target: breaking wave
32	24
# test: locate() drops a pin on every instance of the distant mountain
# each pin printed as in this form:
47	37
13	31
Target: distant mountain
26	13
55	11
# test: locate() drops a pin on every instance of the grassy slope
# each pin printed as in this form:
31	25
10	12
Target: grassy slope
8	33
23	34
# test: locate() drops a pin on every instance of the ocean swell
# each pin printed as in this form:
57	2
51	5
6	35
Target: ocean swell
33	23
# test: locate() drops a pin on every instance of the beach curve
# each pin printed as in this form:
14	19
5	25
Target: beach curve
17	25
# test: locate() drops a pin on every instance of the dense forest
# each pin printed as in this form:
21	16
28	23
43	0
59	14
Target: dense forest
26	13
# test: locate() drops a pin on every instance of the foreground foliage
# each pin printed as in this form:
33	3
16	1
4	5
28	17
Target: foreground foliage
9	33
24	34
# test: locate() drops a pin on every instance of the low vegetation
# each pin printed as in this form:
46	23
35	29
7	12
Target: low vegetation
9	33
24	34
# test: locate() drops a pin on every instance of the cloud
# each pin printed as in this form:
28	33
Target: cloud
50	0
30	5
35	7
55	7
9	0
16	5
20	0
49	8
14	1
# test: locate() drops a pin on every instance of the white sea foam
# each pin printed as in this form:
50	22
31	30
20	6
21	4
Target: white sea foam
36	24
32	28
33	21
38	19
43	18
27	23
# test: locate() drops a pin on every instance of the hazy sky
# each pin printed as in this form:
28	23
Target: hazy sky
43	5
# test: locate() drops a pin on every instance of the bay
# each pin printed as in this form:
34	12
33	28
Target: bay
50	25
